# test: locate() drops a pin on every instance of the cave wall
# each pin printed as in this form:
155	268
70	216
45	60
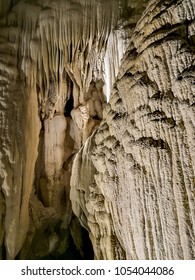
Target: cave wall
56	73
114	136
138	201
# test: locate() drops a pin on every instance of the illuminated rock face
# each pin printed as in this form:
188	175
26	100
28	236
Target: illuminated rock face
58	62
138	201
128	165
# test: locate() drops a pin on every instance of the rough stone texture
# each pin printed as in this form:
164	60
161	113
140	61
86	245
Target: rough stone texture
55	73
141	189
132	183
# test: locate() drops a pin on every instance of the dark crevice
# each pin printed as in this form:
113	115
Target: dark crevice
69	106
132	53
178	29
169	95
96	118
119	116
191	40
180	78
151	142
3	251
39	165
189	71
157	113
66	249
71	52
165	5
145	80
156	96
72	252
173	35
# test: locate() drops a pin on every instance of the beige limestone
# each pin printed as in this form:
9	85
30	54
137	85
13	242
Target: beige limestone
140	162
51	52
128	165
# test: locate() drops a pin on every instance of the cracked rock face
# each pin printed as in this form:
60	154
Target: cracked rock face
95	149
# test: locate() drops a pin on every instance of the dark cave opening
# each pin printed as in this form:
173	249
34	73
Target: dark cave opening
82	250
72	253
69	106
73	243
3	251
88	252
96	118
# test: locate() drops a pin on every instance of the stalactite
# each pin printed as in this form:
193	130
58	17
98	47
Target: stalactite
50	52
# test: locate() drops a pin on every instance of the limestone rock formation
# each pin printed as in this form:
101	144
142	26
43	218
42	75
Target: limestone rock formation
55	69
97	129
139	200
